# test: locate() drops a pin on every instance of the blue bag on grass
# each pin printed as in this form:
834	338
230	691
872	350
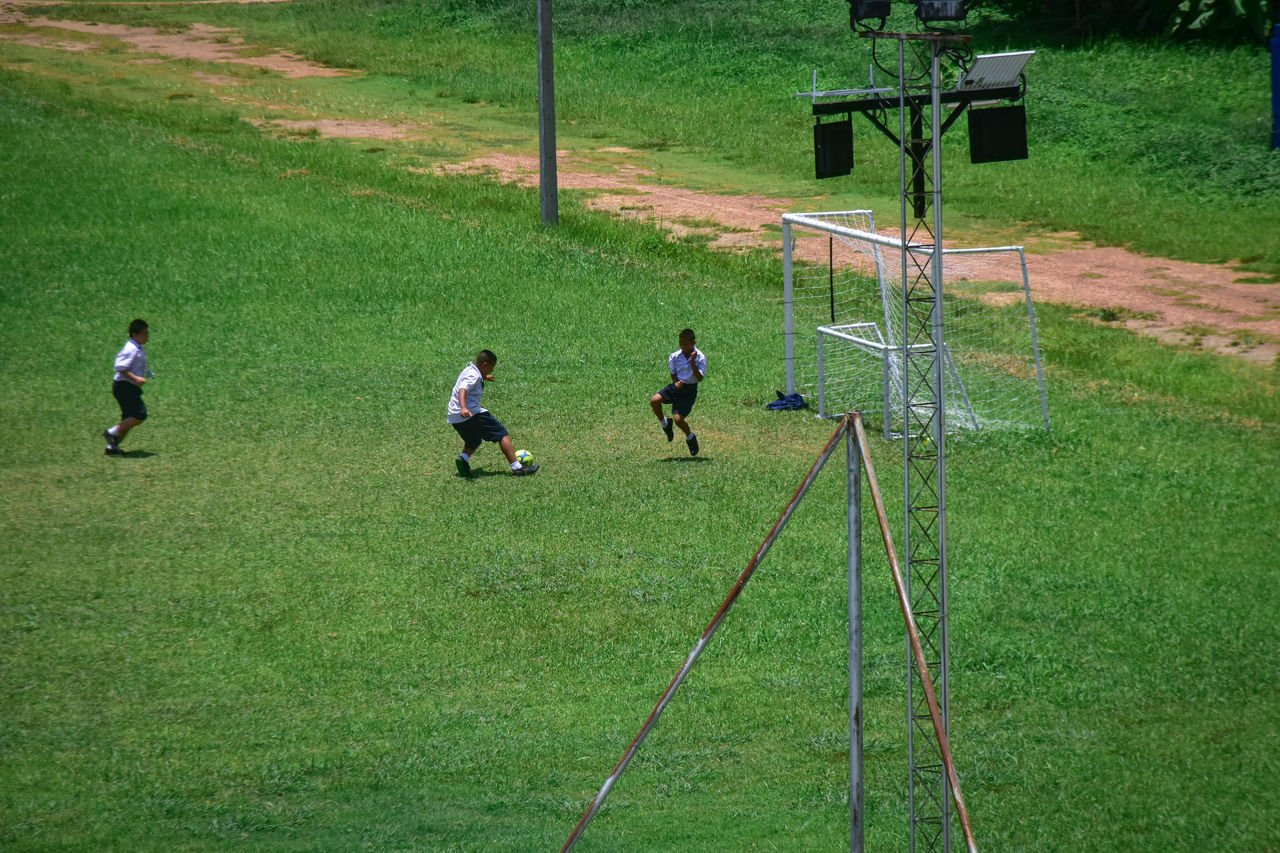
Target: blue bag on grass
787	401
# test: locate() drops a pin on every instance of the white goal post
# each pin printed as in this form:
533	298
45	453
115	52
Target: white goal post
843	302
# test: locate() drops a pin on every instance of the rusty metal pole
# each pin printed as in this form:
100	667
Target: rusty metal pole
913	640
830	447
853	478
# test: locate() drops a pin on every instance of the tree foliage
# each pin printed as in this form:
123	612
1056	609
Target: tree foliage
1219	20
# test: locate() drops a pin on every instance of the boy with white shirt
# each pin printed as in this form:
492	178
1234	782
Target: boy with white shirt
688	367
131	374
473	422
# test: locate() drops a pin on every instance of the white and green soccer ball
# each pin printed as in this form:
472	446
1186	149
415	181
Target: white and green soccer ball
524	457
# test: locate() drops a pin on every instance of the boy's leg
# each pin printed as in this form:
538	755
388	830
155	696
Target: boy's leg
464	460
120	430
488	428
132	412
510	450
470	444
682	418
656	402
689	438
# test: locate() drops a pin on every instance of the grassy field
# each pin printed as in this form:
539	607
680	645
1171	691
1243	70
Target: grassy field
1160	147
280	622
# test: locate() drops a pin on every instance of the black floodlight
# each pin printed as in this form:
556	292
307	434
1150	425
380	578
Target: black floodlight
997	134
940	10
861	10
833	148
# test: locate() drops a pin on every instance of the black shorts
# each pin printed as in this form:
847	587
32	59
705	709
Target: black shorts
481	427
681	399
129	396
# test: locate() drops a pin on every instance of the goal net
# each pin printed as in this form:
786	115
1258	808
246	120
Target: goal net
843	302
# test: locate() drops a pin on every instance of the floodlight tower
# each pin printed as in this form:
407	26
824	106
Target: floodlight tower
924	426
918	100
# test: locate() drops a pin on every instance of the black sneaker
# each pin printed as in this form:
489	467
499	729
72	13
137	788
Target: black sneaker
114	450
464	467
671	433
692	441
524	469
112	441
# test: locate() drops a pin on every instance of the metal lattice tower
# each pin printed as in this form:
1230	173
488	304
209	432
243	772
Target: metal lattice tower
924	431
924	356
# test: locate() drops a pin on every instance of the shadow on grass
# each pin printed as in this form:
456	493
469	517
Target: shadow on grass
478	473
133	454
686	459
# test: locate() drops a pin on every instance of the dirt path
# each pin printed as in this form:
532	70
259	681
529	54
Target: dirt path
1212	307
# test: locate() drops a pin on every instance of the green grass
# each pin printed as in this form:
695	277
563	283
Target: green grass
282	623
1136	144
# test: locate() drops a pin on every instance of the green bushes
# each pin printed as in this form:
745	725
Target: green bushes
1236	21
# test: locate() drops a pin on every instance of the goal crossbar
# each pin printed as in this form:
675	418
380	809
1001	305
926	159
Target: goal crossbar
814	220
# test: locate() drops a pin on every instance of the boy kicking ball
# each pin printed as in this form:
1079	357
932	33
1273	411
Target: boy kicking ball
688	367
474	422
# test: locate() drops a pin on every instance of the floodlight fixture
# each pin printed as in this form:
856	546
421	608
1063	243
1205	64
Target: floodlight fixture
997	134
940	10
862	10
833	148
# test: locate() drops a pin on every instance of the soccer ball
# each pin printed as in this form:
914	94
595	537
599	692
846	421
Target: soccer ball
524	457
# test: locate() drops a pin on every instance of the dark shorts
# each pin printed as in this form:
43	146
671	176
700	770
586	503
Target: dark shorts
481	427
681	399
129	396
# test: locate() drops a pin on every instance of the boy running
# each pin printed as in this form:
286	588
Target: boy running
131	374
688	367
474	422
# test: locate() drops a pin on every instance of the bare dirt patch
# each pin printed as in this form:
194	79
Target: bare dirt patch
345	129
200	42
1206	306
1179	302
729	221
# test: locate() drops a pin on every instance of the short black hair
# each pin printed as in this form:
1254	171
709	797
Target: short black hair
687	335
137	326
487	355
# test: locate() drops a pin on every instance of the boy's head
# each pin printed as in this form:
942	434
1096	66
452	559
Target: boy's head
687	341
486	360
137	327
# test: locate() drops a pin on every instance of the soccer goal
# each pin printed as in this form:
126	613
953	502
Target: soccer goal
843	304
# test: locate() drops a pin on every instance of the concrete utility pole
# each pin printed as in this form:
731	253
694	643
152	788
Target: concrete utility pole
547	118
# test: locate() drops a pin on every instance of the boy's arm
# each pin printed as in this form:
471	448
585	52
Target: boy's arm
134	378
693	365
462	404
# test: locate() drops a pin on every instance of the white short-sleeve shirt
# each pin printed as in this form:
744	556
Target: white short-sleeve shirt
680	366
470	380
132	358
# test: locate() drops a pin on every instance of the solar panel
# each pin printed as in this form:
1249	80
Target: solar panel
994	70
